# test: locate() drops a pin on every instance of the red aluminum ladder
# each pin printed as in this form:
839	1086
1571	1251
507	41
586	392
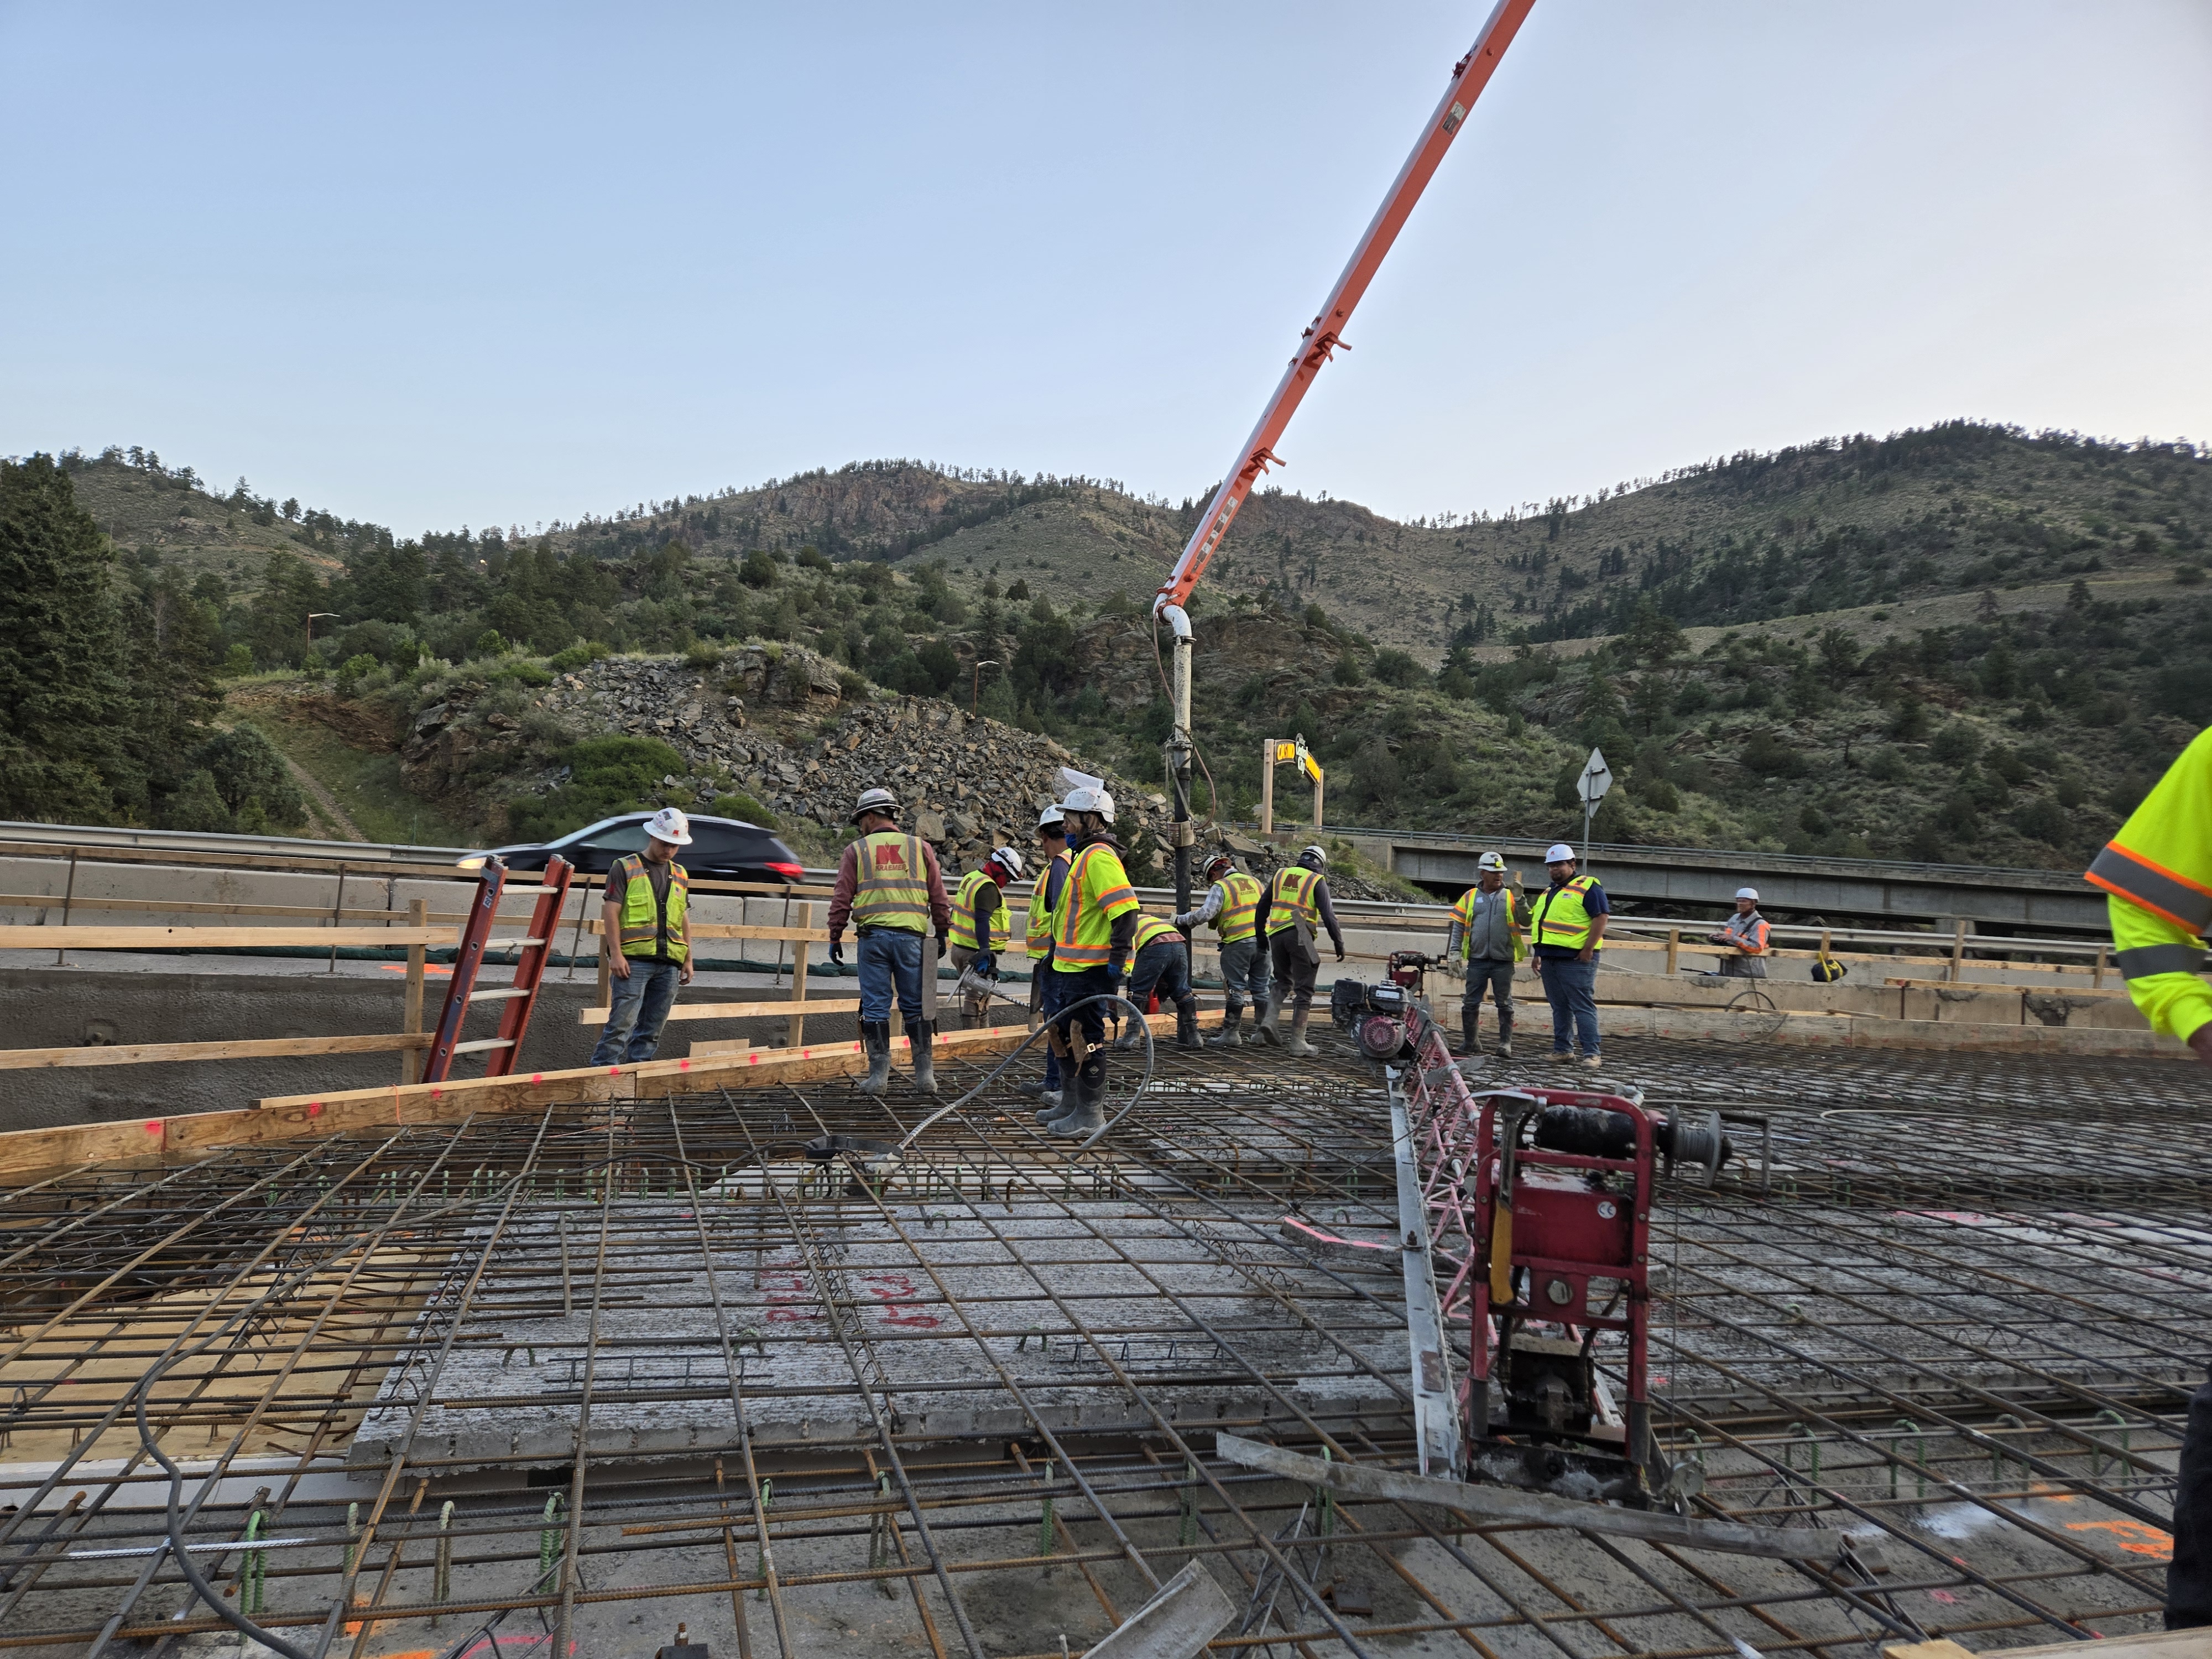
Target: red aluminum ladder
500	1052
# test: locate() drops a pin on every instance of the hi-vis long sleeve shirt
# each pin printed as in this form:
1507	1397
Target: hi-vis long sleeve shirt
2158	871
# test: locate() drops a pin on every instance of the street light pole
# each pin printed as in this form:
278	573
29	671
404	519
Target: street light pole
976	682
308	654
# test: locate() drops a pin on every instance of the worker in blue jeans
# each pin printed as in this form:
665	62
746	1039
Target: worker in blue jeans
1567	925
645	932
1161	964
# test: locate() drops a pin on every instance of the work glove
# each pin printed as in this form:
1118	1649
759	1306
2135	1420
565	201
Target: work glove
837	951
944	945
986	966
1340	950
1117	969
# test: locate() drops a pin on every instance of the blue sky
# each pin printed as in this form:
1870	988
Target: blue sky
430	265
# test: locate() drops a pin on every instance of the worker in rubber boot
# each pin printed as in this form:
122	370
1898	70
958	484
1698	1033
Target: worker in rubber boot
647	898
2157	873
1232	905
1044	984
1161	964
1567	923
889	890
1484	944
1743	938
981	931
1094	928
1294	908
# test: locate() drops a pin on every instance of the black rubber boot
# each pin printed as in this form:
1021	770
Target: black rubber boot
1087	1092
1227	1036
1186	1023
1263	1025
876	1038
1470	1031
925	1064
1505	1034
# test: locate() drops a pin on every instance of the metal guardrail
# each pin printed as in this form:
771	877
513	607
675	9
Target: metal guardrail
1874	869
246	847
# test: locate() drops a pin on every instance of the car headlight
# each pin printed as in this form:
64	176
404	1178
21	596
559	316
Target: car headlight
474	861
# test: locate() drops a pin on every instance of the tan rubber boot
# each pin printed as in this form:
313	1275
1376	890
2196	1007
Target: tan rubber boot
1297	1047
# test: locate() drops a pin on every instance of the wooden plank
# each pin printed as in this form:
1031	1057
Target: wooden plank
333	1112
410	1062
1999	988
735	930
795	1029
205	938
1541	1509
140	1053
733	1010
192	907
716	1048
2191	1643
1188	1611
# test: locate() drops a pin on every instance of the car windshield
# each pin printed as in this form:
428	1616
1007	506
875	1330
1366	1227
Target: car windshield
617	838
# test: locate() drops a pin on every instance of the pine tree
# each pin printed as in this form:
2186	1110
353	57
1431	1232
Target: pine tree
63	699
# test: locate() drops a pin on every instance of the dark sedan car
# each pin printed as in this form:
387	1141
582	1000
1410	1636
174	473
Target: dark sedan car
721	849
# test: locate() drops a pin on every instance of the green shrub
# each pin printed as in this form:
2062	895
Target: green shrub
242	765
353	670
701	653
238	660
606	775
1955	744
577	656
523	671
197	806
743	806
489	643
1771	755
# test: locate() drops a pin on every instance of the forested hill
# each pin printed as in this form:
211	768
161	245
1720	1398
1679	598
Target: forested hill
1826	525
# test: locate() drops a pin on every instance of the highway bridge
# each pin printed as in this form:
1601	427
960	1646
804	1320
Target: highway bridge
1790	885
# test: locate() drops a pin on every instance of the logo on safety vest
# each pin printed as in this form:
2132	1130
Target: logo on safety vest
893	853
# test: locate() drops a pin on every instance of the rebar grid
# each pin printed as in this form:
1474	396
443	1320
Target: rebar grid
554	1367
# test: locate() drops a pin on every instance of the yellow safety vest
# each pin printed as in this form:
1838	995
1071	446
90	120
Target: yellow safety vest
1039	939
1096	891
641	922
1240	901
1150	930
2158	871
893	889
1560	917
1463	913
1291	900
962	935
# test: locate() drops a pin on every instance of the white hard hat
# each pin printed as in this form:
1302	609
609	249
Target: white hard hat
670	825
1088	798
1751	893
1008	860
1560	853
1051	819
1490	862
1313	858
876	800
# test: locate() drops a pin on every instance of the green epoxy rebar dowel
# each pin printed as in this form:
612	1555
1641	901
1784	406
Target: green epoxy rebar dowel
1905	1426
760	1531
441	1582
1186	1532
252	1573
353	1531
1044	1528
2099	1458
549	1539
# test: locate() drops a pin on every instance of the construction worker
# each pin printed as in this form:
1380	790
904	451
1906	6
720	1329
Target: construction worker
1568	925
1743	938
2158	873
1292	908
980	930
647	898
1162	964
1232	905
1486	941
888	888
1094	930
1044	984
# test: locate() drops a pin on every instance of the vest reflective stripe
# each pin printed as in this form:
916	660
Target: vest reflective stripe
2148	959
1096	890
1561	918
893	889
1240	902
1749	932
962	935
2133	877
641	922
1039	940
1150	930
1291	900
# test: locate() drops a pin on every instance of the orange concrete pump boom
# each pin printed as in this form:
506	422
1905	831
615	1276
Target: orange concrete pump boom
1469	76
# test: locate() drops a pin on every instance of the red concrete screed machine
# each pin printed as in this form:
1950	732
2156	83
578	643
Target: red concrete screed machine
1530	1210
